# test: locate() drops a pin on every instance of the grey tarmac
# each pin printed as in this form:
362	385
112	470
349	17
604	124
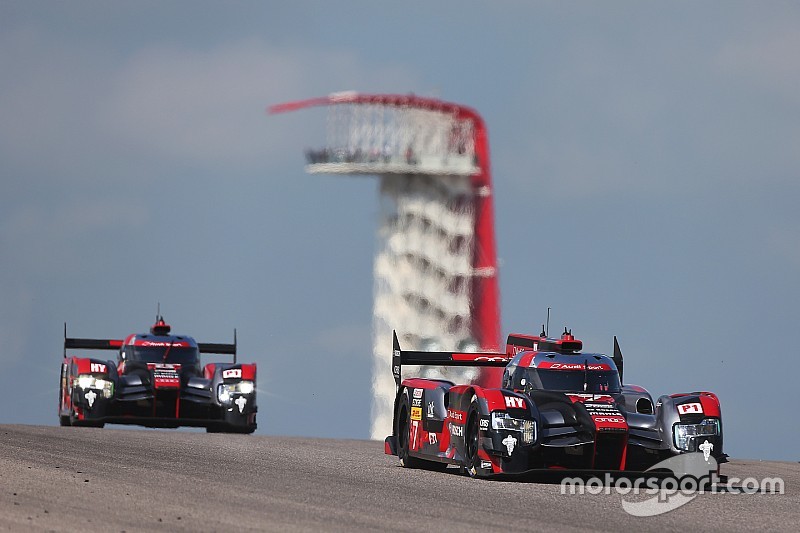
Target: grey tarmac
85	479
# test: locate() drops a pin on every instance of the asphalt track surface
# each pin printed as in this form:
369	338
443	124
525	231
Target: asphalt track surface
84	479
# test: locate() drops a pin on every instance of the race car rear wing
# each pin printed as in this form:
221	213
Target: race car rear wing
213	347
473	359
115	344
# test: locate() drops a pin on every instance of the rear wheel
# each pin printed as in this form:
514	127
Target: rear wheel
404	443
404	437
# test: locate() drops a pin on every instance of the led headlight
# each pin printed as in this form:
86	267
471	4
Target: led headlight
225	391
527	427
683	434
87	381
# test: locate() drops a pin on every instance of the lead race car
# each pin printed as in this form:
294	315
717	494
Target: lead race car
157	380
556	408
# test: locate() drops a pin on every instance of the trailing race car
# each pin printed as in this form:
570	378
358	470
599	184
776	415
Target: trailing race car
157	381
556	408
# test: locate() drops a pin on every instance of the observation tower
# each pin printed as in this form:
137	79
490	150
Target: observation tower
435	267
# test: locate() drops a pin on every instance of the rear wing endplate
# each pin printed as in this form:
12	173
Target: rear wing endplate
473	359
89	344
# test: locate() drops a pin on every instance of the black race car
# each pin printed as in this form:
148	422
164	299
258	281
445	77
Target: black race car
157	380
556	408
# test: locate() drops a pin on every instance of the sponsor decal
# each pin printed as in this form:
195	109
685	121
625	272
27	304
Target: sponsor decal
416	402
90	397
572	366
514	402
455	415
416	413
396	370
430	410
491	359
518	349
181	344
165	375
414	431
97	368
484	423
232	373
456	431
690	408
432	438
706	448
600	407
609	419
417	393
241	401
580	397
486	464
510	442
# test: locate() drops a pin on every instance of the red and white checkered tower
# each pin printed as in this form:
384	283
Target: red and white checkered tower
436	263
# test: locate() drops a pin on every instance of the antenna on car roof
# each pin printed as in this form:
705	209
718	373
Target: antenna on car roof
547	329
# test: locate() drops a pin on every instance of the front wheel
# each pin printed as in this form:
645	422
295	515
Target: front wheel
63	420
472	440
243	430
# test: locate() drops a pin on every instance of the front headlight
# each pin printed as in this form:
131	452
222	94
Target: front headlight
502	421
225	391
87	381
684	434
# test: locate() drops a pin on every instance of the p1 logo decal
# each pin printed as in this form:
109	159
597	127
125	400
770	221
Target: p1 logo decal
232	373
690	408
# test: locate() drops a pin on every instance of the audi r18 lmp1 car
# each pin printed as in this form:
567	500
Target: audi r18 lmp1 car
556	408
157	380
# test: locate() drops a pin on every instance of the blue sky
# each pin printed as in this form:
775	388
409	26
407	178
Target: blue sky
645	158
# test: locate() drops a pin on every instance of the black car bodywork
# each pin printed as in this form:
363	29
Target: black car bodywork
157	380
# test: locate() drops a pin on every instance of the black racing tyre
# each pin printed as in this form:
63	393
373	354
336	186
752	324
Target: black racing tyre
241	430
63	420
71	417
404	435
472	439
